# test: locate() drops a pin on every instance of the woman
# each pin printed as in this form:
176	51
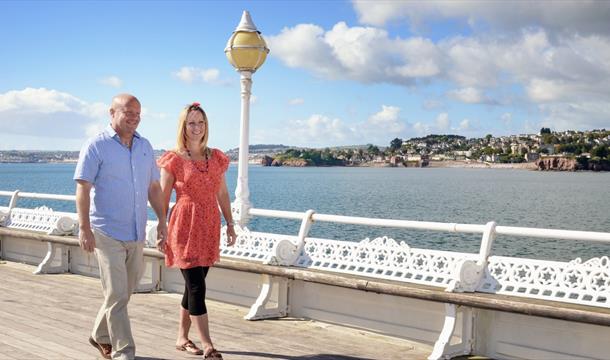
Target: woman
196	172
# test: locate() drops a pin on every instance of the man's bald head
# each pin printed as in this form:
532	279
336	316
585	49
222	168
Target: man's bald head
121	100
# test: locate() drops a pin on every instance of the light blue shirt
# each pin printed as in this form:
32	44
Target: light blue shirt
121	178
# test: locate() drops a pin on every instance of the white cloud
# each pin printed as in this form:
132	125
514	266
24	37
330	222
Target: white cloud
421	128
296	101
190	74
48	113
363	54
317	130
574	16
253	99
304	46
321	130
442	122
468	95
532	65
465	125
113	81
588	115
381	126
387	121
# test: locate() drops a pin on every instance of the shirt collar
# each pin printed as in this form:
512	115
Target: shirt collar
112	133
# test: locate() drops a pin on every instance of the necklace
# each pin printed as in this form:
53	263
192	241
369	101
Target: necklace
205	159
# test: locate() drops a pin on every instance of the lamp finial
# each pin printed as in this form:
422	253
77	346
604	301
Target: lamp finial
246	23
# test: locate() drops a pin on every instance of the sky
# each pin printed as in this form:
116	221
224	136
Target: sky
338	72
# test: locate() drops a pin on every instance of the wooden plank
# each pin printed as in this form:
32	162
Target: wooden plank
58	311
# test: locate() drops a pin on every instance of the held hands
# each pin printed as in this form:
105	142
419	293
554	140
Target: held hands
86	239
161	236
231	235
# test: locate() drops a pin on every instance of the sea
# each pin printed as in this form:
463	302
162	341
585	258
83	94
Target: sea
510	197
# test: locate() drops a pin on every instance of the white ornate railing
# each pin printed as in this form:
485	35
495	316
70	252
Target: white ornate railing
577	282
574	282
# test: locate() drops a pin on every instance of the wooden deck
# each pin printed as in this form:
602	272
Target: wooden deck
50	317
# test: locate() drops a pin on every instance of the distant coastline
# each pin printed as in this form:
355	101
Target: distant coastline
71	161
481	165
462	164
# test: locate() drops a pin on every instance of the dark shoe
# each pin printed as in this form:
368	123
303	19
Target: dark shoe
190	348
213	355
104	349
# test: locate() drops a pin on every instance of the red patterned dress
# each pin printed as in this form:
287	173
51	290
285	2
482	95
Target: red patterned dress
194	225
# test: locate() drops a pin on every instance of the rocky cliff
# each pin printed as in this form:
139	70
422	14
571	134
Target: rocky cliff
557	164
568	164
269	161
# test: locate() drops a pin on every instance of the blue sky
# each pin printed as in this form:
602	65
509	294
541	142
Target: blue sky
339	72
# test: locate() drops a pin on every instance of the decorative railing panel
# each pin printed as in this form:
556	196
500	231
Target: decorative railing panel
577	282
257	246
382	258
42	219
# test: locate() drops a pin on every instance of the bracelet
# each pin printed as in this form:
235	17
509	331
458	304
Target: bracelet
231	223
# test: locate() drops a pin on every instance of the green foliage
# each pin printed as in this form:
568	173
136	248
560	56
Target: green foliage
583	162
395	144
569	148
312	156
600	151
372	149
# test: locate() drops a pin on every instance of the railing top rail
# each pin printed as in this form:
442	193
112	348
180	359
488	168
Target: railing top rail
603	237
31	195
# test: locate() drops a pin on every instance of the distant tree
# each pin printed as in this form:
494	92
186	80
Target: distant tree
395	144
488	137
569	148
545	131
600	151
372	149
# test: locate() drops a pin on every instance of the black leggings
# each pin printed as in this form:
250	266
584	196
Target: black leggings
193	299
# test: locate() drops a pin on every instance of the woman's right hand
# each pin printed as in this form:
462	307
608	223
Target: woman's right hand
161	236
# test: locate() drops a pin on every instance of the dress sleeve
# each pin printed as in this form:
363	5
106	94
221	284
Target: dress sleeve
166	161
223	160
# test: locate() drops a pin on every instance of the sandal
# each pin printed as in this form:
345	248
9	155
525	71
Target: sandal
190	348
213	355
104	349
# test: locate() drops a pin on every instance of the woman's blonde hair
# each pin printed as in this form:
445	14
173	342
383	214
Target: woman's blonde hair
181	137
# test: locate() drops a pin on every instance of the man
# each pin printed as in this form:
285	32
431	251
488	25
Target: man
119	166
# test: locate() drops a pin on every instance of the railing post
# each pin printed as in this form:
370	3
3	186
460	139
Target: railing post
489	235
13	201
5	216
286	252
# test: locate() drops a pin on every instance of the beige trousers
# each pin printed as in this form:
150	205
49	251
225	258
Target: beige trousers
121	266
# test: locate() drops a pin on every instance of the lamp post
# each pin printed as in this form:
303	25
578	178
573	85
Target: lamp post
246	51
